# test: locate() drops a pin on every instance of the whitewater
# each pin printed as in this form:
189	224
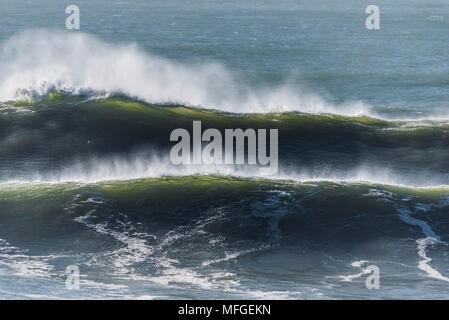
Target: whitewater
36	63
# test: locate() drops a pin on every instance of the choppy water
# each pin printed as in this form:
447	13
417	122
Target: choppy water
85	120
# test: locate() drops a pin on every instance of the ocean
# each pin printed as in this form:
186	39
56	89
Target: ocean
88	192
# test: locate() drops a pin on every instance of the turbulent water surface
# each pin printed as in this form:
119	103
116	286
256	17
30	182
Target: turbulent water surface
86	180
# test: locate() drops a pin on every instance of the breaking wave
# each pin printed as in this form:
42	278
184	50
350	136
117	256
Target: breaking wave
36	63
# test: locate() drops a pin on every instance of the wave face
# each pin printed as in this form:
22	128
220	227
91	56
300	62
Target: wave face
120	139
222	237
85	180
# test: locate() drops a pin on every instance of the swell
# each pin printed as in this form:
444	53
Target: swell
75	138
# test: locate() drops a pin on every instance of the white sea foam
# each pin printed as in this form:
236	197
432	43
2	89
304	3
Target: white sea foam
21	263
34	63
134	248
356	264
424	243
424	265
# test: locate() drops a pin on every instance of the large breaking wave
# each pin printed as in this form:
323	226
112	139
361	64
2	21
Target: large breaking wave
35	63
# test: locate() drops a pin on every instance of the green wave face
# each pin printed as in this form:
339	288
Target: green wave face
174	114
190	188
287	120
245	212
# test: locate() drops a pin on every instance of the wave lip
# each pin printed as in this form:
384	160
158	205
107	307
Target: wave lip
36	63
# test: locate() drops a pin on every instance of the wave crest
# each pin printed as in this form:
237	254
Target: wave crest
35	63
